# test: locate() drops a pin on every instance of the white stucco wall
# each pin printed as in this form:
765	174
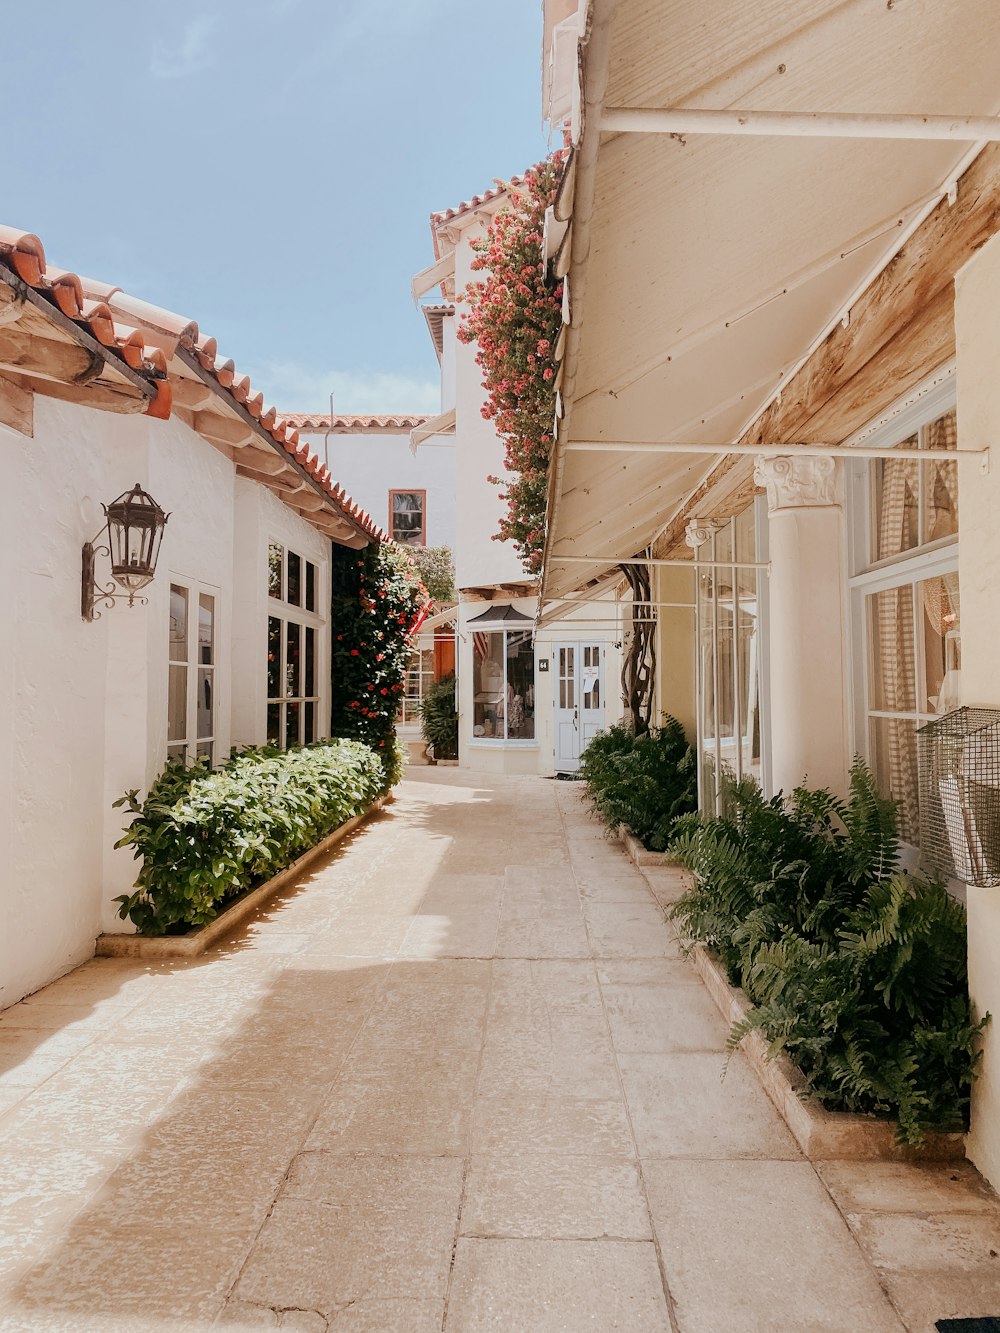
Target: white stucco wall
978	339
83	707
369	466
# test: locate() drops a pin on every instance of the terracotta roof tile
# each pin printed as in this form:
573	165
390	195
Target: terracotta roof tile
499	188
24	253
355	423
146	337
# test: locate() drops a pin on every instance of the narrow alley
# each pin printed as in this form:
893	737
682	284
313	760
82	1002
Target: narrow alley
459	1077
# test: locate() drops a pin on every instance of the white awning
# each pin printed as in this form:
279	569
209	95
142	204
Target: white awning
431	277
705	267
443	424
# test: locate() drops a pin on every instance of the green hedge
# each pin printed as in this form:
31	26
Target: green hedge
204	835
855	968
643	782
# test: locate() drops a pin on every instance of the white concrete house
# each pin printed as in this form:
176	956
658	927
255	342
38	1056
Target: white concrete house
411	495
780	376
100	392
530	695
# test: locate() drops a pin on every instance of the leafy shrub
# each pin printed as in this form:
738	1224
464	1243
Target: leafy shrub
856	969
644	782
205	835
439	718
378	605
436	567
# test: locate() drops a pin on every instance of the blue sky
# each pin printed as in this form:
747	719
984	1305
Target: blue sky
267	167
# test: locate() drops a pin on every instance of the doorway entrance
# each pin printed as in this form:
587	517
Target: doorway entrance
579	701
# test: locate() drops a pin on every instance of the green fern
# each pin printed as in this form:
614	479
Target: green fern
854	968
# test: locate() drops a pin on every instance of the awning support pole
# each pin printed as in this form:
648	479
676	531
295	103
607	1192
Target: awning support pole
798	124
771	450
693	565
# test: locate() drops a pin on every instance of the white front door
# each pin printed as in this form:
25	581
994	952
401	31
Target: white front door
579	701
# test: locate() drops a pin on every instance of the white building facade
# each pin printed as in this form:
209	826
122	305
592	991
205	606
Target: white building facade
530	694
215	653
792	405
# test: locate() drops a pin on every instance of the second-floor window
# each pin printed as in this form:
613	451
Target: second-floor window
408	517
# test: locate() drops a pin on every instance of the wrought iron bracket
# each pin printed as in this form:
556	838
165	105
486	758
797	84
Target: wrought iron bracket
92	593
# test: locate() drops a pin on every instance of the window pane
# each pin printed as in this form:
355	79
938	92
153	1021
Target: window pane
206	712
311	572
274	724
894	763
177	704
178	623
293	635
519	702
940	481
273	658
407	517
309	725
591	684
937	600
567	677
275	562
292	716
177	752
487	708
892	665
310	683
206	750
206	629
896	504
294	579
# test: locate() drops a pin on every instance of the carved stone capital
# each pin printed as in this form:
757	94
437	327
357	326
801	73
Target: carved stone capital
798	483
699	530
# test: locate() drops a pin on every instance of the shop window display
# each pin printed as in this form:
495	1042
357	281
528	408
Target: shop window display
504	678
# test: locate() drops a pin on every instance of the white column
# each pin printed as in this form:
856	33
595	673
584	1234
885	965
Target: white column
809	733
977	292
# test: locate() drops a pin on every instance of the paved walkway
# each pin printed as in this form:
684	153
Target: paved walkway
460	1078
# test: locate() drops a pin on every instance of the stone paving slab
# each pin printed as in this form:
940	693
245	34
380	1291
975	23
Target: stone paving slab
458	1078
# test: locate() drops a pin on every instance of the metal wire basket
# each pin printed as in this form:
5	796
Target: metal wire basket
959	763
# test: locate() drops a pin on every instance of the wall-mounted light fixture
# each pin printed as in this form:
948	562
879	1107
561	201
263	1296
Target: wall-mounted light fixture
131	535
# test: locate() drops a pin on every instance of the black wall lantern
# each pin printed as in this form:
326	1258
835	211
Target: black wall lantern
131	537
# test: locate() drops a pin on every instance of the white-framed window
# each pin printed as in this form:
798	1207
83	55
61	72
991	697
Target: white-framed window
503	663
191	689
293	638
905	603
729	616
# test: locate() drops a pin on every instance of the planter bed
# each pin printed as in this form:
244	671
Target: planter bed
820	1133
199	938
642	856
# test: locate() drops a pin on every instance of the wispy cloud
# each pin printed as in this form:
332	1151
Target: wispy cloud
295	388
190	55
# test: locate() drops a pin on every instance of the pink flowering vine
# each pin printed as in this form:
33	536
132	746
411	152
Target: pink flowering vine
513	315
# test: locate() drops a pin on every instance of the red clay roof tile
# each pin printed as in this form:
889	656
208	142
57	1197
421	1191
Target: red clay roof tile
351	423
146	337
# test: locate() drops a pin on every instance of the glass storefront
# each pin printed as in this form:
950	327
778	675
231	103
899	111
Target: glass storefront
504	685
729	659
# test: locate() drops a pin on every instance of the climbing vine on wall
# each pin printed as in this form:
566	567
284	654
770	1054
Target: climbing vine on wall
379	603
513	315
